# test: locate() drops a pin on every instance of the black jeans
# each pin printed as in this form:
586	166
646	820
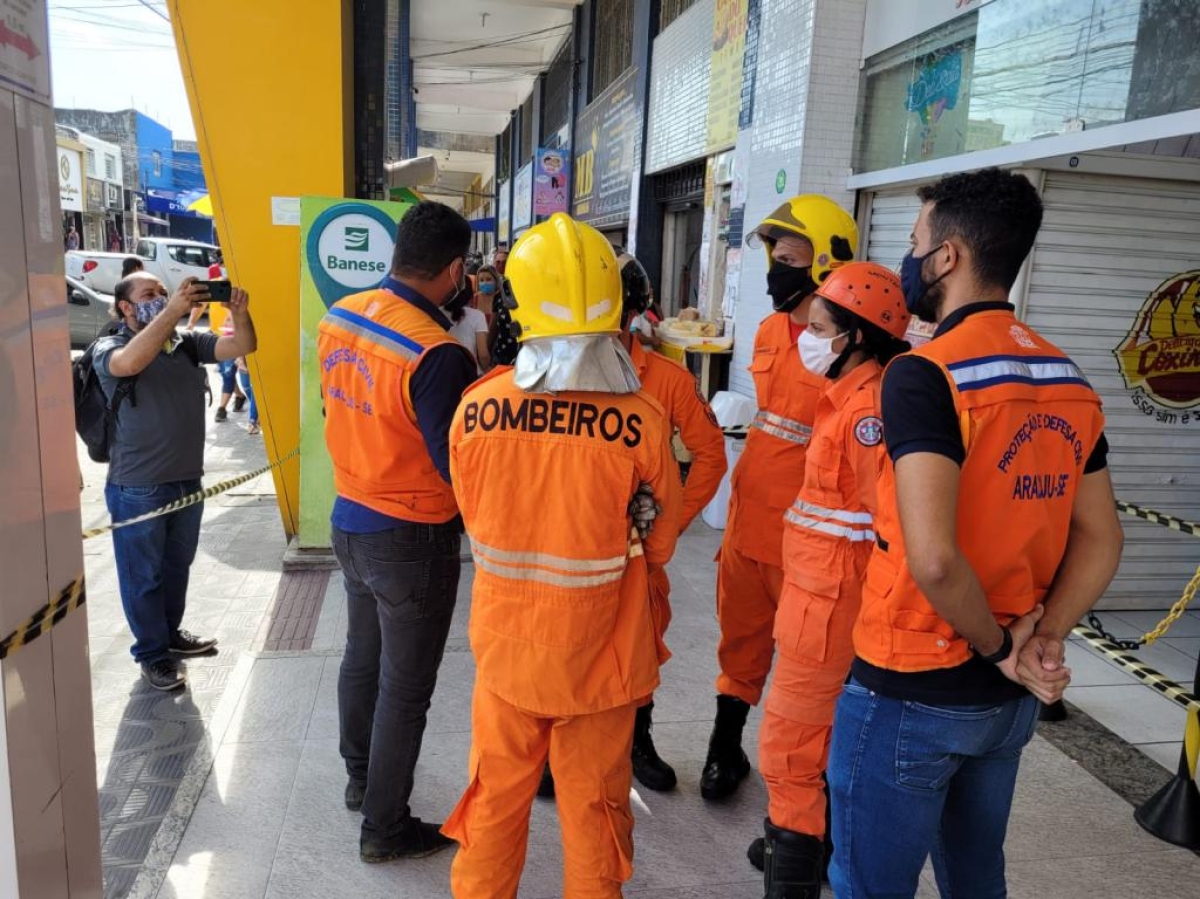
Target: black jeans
401	588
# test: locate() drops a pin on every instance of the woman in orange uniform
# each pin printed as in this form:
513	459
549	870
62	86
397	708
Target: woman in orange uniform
855	326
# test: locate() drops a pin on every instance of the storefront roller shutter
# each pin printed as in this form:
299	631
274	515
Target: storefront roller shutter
893	214
1106	244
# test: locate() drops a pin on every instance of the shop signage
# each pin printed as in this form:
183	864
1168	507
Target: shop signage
345	247
551	182
1160	356
606	142
725	78
112	196
522	202
70	180
24	46
502	204
95	195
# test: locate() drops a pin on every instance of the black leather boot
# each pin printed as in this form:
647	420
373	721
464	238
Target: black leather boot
650	770
756	852
726	765
757	848
792	864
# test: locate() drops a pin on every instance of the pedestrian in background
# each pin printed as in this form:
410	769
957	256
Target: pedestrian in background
987	557
131	264
470	328
391	378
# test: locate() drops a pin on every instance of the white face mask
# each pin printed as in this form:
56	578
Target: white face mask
817	353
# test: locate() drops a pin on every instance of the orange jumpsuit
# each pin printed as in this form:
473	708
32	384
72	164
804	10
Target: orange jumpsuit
828	538
561	627
765	481
677	392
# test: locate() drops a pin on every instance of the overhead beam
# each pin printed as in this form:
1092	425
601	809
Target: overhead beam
541	4
466	95
469	54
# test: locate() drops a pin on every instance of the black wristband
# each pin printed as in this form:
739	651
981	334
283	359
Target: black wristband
1005	650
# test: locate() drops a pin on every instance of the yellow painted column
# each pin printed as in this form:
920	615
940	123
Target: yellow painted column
270	87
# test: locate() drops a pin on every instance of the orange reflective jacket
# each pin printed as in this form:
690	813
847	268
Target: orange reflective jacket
1029	421
829	530
678	393
768	476
561	622
369	346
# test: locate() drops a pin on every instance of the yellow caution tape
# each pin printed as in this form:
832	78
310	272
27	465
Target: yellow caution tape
183	502
69	598
1141	671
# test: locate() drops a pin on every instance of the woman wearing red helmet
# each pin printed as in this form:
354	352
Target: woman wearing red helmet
855	326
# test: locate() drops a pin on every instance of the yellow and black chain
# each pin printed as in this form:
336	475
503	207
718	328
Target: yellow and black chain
74	594
68	600
190	500
1180	606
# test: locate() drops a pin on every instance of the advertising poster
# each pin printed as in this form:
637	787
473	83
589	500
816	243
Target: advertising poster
1159	358
522	202
70	180
551	182
502	219
725	85
345	247
607	140
24	49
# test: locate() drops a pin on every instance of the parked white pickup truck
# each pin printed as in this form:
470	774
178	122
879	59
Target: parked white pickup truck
169	258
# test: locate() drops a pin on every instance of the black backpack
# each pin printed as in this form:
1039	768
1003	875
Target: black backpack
95	415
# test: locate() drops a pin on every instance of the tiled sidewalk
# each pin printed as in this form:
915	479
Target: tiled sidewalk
149	743
269	823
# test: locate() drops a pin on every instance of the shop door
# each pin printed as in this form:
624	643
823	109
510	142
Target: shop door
1107	244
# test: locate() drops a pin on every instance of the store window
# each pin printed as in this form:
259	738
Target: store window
525	150
504	163
1015	71
110	167
156	156
556	98
612	43
91	161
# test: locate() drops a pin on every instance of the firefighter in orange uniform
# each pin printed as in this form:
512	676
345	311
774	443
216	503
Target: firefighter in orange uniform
806	239
561	625
856	325
687	411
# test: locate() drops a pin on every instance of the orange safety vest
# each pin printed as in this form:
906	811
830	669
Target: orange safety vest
678	393
829	530
560	613
369	346
1029	421
768	476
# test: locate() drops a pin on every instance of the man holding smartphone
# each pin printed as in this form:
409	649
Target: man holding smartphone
157	456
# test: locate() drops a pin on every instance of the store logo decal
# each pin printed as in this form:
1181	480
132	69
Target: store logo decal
1160	356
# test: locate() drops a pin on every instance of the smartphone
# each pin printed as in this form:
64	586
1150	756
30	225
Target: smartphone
218	291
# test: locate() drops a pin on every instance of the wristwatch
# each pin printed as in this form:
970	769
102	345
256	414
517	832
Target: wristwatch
1005	650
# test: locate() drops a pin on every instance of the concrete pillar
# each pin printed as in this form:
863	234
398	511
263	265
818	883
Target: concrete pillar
49	822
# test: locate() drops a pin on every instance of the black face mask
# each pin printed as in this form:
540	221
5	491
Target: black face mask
788	285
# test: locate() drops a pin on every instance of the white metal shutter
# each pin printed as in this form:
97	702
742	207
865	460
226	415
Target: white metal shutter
1106	243
893	214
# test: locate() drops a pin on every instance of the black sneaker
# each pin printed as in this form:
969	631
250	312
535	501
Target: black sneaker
188	644
239	403
417	840
221	415
163	674
355	792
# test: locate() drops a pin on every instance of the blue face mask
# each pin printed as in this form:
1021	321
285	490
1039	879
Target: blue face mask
487	287
148	311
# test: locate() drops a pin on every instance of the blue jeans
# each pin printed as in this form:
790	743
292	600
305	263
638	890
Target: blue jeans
401	588
908	779
244	380
228	371
153	559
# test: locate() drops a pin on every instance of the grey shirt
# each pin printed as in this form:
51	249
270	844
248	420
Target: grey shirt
161	439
